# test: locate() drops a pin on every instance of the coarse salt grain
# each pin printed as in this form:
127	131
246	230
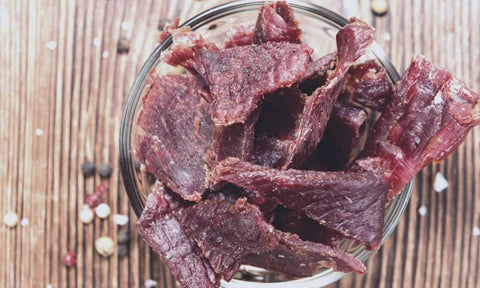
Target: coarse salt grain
96	42
440	182
120	219
126	25
105	54
102	210
149	283
24	222
422	210
51	45
476	231
10	219
39	132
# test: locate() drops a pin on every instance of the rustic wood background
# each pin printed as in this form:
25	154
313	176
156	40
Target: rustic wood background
75	93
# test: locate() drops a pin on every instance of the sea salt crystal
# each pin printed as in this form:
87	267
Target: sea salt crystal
476	231
24	222
96	42
51	45
440	183
39	131
120	219
422	210
105	54
149	283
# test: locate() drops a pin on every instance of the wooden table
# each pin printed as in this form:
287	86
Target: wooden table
62	106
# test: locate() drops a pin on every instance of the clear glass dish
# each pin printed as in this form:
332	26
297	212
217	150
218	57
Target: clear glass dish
320	26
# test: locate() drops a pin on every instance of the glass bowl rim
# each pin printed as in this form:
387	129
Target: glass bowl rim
134	98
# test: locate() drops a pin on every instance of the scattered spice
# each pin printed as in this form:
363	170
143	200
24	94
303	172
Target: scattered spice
120	220
422	210
96	42
10	219
126	26
123	237
51	45
123	45
379	7
102	210
476	231
105	170
105	54
86	214
104	246
39	132
440	182
24	222
122	250
149	283
69	259
88	169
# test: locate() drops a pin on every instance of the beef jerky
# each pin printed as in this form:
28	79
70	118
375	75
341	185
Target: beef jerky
176	131
433	124
276	23
296	222
161	229
299	258
368	84
226	233
185	44
230	193
352	42
239	76
351	203
240	36
317	73
167	30
344	136
270	152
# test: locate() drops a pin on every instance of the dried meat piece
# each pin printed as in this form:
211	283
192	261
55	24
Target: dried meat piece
344	136
176	131
161	229
270	152
184	46
352	42
317	73
230	193
239	76
368	84
296	222
276	23
227	232
167	30
240	35
299	258
351	203
437	116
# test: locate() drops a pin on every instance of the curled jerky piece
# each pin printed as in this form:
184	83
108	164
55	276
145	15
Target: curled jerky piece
317	72
161	229
176	131
185	44
299	258
239	76
351	203
352	42
270	152
368	84
239	35
276	23
227	232
344	136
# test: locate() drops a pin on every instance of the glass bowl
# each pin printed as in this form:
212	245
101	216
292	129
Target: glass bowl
320	26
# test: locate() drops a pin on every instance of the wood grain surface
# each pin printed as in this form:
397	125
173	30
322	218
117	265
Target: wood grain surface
62	106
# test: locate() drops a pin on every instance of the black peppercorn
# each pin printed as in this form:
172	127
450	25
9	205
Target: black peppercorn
105	170
88	169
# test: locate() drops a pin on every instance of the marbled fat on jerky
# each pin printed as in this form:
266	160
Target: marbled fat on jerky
176	132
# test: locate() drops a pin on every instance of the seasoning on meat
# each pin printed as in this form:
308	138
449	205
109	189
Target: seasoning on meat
299	258
276	23
239	76
351	203
352	42
316	74
176	133
162	230
227	232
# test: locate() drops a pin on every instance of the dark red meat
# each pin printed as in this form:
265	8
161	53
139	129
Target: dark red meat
270	152
351	203
161	229
276	23
344	136
167	30
352	42
240	36
176	131
239	76
295	222
185	44
299	258
316	74
227	232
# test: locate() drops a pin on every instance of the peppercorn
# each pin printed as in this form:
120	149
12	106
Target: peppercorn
123	45
122	250
88	169
69	259
123	237
105	170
